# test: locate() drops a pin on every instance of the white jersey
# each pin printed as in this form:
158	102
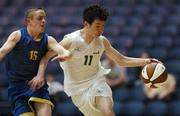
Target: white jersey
84	66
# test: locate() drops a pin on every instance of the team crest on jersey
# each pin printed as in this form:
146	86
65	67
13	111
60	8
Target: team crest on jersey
99	90
78	49
97	52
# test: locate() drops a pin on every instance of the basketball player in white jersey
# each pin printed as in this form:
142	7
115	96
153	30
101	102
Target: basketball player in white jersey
84	75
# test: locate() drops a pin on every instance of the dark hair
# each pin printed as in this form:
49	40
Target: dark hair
95	12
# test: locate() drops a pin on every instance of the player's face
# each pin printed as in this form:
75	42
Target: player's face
97	28
38	21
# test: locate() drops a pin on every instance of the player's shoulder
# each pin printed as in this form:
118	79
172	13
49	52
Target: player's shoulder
73	34
15	35
105	41
50	38
73	37
102	37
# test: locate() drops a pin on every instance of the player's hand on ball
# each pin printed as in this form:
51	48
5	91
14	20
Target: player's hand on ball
154	74
154	60
36	83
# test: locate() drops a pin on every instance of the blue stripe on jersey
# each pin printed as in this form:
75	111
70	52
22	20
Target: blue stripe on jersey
23	61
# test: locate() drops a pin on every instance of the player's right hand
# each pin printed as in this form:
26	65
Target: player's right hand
155	60
62	58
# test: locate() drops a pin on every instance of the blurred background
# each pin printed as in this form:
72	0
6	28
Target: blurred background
135	28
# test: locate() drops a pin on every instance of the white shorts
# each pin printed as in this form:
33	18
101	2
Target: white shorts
86	100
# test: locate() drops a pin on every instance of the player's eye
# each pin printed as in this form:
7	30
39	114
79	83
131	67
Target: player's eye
41	18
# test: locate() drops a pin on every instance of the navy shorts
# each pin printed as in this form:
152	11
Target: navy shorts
21	97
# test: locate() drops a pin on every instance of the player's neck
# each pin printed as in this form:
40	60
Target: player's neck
86	36
35	36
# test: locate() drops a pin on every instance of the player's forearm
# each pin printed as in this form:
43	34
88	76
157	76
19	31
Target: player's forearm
133	62
42	67
124	60
60	50
128	61
1	54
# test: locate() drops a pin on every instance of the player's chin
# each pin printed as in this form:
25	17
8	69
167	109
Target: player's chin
42	29
97	35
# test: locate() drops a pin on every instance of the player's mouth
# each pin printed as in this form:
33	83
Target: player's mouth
42	26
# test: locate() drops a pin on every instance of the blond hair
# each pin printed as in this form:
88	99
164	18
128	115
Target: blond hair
30	12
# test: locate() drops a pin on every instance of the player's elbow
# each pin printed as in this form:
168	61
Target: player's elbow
2	54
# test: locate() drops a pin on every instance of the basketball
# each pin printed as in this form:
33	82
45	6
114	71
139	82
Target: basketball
154	75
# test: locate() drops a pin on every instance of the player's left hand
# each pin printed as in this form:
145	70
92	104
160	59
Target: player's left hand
36	83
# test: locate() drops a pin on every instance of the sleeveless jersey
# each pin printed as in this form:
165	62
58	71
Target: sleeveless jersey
23	61
84	65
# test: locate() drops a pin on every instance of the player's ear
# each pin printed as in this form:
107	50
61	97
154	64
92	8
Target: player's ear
86	23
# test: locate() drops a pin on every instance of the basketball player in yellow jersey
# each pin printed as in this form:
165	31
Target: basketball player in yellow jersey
84	75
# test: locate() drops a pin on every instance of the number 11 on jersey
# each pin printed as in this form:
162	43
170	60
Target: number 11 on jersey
88	59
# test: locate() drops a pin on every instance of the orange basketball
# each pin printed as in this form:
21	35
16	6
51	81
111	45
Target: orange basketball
154	74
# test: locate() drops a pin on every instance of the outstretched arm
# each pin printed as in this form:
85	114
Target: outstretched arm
58	49
9	44
121	59
38	81
55	49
